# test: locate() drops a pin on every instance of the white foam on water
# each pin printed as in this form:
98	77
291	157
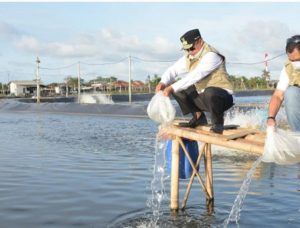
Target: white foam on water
253	118
95	98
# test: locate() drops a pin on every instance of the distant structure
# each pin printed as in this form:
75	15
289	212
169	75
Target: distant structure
22	88
266	73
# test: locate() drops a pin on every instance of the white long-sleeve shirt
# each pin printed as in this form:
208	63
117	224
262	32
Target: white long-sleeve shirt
208	64
283	82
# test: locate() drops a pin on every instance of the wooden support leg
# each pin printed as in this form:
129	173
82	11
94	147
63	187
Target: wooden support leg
186	195
175	175
208	172
194	168
210	205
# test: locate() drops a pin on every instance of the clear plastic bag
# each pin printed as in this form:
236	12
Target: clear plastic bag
160	109
282	147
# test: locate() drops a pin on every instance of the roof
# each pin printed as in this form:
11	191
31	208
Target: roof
97	84
24	82
138	83
120	83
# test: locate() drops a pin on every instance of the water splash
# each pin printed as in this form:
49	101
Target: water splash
157	184
234	215
95	98
253	118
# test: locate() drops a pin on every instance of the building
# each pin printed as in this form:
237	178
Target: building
98	86
120	85
138	86
63	89
23	88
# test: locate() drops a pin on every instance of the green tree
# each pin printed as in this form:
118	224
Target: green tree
73	81
242	83
102	79
156	79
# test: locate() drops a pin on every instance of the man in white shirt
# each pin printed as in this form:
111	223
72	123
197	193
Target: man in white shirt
288	87
199	82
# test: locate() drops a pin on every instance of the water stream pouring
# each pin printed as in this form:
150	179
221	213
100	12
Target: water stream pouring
281	147
234	215
157	184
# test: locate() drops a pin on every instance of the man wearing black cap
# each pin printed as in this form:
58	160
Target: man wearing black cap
288	87
203	85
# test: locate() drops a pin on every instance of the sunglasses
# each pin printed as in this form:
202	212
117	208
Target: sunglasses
190	49
294	40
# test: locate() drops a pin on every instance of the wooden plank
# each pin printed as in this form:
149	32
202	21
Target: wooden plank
257	136
240	134
220	140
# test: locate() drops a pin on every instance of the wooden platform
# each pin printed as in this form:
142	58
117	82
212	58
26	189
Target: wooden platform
248	140
233	137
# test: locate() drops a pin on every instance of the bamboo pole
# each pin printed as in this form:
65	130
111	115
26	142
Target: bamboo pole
259	137
175	175
193	167
208	172
239	144
210	204
251	143
240	134
188	189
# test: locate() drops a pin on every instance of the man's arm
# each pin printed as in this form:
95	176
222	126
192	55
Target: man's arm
208	64
278	97
169	76
274	106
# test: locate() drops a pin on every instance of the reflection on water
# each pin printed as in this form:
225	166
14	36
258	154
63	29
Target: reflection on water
59	170
252	99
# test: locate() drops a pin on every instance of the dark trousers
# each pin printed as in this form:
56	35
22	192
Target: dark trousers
213	100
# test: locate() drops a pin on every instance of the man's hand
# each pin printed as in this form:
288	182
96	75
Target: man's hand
271	123
160	86
168	91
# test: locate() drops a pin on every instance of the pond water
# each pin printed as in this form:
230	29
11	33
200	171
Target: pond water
80	170
237	100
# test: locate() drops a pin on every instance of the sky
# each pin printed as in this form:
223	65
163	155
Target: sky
97	38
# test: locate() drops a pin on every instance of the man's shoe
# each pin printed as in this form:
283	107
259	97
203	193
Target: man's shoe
194	122
217	128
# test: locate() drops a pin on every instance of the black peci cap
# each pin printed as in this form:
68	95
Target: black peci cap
292	43
293	40
189	38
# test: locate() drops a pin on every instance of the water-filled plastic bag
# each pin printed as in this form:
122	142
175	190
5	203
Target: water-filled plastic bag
282	147
160	109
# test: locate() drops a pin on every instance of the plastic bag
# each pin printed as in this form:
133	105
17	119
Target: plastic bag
160	109
282	147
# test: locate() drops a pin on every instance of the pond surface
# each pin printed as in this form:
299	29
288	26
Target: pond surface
80	170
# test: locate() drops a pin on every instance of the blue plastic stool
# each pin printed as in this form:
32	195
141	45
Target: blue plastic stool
185	168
